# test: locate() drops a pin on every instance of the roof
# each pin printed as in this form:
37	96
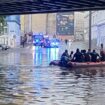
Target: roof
10	7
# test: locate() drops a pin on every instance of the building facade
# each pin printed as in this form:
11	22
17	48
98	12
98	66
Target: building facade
97	27
13	23
11	34
79	25
62	25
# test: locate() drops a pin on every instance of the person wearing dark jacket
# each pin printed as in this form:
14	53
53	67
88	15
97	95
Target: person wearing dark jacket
102	55
64	58
94	56
77	56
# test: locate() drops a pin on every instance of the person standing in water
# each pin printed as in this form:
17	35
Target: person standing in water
66	41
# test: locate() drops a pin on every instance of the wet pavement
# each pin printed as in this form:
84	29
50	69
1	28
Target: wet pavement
27	79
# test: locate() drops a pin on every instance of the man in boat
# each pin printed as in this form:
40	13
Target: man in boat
101	47
71	56
64	58
94	56
82	57
78	56
88	56
83	52
66	41
102	53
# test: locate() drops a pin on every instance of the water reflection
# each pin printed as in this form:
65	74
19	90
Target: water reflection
43	56
54	53
10	58
90	72
38	56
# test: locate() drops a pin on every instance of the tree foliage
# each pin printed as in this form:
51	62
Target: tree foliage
2	20
2	23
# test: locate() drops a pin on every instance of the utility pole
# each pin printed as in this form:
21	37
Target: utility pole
90	17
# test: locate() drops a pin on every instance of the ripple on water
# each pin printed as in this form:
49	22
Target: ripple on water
51	86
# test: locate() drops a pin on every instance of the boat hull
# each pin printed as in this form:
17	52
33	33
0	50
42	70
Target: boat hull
79	65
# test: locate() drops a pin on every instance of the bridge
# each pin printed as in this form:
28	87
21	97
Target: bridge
9	7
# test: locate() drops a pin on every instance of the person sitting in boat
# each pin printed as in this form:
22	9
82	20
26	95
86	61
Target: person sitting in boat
85	56
102	55
89	51
83	52
101	47
78	56
94	56
71	56
64	58
82	57
88	56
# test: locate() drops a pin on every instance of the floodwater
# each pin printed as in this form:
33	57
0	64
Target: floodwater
27	79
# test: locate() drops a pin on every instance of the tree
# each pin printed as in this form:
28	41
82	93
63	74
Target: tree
2	23
2	20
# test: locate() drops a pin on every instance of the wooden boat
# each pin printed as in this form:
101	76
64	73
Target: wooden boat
79	65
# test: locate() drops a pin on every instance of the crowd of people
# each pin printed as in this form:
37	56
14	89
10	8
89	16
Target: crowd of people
82	56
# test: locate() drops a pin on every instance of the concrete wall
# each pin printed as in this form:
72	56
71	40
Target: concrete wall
38	23
22	20
79	25
86	25
51	24
26	23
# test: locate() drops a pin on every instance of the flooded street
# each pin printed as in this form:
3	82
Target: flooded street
27	79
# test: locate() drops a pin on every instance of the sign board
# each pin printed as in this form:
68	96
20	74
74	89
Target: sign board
65	23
